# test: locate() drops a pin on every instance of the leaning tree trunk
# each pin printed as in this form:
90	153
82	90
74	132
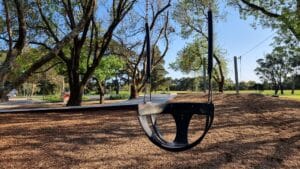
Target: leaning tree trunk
222	78
101	89
134	93
101	93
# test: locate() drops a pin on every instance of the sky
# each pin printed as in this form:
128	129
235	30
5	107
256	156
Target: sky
238	38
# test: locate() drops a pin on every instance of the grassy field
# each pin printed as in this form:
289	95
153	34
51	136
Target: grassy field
287	93
125	94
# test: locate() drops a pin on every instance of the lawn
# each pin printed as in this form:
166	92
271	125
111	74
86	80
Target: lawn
287	93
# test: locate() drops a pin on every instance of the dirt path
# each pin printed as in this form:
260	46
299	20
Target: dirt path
249	131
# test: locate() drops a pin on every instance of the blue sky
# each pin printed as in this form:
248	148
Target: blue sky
237	37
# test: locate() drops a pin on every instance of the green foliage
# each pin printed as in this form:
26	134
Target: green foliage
46	87
277	14
191	15
109	67
288	45
182	84
26	59
53	98
274	68
192	57
119	96
158	79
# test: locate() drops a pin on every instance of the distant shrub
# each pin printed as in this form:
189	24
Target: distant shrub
53	98
118	96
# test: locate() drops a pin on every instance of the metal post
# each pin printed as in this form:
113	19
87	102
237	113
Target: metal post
236	75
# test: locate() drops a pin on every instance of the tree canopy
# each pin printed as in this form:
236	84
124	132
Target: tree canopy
277	14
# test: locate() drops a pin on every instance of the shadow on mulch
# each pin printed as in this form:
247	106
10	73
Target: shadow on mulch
249	131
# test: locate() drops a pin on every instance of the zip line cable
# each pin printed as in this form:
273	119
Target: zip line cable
250	50
257	45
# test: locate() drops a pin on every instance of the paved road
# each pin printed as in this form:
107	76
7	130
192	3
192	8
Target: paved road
157	98
16	102
128	104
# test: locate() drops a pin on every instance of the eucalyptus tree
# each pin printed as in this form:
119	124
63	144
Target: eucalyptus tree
274	68
192	58
24	23
193	19
277	14
290	46
133	43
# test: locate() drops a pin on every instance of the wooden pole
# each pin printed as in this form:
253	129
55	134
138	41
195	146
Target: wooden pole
236	75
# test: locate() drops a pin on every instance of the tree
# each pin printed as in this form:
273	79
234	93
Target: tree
182	84
133	48
91	45
158	74
274	68
277	14
290	46
192	17
192	58
109	67
23	16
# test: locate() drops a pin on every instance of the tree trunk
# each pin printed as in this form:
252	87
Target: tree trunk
3	95
293	85
101	92
276	88
221	86
222	81
117	87
133	91
76	89
3	91
281	89
76	93
101	89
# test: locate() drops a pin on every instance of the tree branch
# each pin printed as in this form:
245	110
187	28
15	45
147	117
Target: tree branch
43	71
261	9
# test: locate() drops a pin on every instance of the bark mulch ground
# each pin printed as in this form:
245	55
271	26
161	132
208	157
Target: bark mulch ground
249	131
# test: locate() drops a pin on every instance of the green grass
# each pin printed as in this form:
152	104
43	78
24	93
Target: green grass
287	93
118	96
53	98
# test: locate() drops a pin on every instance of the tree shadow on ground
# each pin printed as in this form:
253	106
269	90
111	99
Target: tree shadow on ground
248	132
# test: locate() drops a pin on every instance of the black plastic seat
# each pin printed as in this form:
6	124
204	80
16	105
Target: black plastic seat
182	114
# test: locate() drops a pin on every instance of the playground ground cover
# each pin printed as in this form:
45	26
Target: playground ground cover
249	131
